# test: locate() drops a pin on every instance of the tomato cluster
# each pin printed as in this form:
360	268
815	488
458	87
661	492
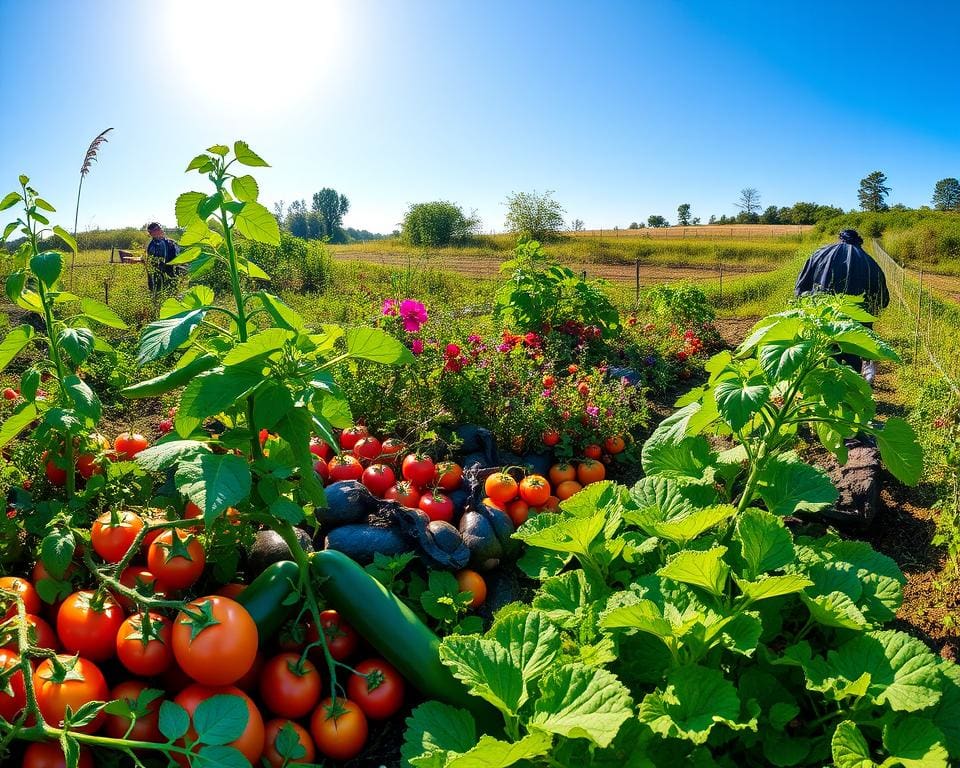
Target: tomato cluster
89	460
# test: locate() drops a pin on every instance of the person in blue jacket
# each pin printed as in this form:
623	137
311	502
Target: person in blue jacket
844	267
161	250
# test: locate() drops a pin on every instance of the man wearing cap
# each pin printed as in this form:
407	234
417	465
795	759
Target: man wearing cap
161	250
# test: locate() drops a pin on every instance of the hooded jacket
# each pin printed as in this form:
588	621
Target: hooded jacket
846	268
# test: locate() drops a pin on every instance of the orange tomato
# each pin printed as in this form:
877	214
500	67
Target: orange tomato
534	489
519	511
614	445
590	471
552	504
471	581
500	486
567	488
593	451
562	472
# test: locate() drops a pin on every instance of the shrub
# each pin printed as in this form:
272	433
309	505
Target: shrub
437	223
533	215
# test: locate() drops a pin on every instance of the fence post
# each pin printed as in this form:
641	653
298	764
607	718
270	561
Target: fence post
720	269
916	333
106	292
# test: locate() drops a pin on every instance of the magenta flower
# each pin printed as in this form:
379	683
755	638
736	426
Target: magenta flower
593	411
452	350
416	346
474	339
389	308
413	314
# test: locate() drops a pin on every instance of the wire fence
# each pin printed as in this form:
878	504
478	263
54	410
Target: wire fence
930	314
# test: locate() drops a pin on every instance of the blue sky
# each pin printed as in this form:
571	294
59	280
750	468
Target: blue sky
623	109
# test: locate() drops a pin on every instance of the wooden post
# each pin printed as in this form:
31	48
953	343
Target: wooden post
720	268
916	337
106	292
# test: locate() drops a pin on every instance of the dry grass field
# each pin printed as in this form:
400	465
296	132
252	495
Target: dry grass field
707	231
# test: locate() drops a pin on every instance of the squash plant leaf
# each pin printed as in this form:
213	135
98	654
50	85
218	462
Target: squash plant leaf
436	732
706	569
788	485
915	742
900	450
255	222
849	748
765	542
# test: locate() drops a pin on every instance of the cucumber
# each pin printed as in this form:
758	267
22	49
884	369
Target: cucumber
391	628
266	599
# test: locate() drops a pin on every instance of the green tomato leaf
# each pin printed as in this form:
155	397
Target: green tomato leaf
101	313
161	337
245	188
220	719
13	343
377	346
900	450
84	399
21	418
174	720
214	482
582	703
66	237
213	392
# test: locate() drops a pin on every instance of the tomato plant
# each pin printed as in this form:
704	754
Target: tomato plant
12	700
113	533
377	688
21	588
535	490
289	685
251	739
144	644
339	729
128	445
69	681
344	467
287	743
146	707
176	558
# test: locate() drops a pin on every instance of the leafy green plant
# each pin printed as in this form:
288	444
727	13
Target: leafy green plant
66	417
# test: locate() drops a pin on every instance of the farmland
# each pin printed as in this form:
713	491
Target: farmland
491	506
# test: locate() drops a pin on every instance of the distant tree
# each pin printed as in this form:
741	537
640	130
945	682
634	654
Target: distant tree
534	215
695	221
713	219
278	213
770	216
899	207
633	225
657	221
946	195
873	192
746	218
437	223
297	223
331	208
825	212
749	201
577	225
683	214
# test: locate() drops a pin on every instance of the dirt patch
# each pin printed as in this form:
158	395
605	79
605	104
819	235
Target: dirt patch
733	330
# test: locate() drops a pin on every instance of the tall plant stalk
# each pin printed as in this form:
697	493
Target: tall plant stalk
88	160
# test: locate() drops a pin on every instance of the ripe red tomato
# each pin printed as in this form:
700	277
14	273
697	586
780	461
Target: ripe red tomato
165	426
19	586
128	445
437	506
11	703
366	449
231	590
552	504
535	490
320	449
551	437
614	445
263	436
344	467
321	468
418	469
10	394
593	452
138	578
403	493
377	688
378	478
144	647
340	637
449	475
250	743
519	511
176	558
55	692
390	450
500	486
219	650
270	753
590	471
147	726
568	488
351	435
88	465
110	539
289	687
560	472
473	582
55	475
88	629
49	754
340	731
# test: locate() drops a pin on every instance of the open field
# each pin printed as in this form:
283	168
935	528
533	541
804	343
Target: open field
708	231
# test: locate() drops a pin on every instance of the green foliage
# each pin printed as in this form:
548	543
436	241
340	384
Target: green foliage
437	224
540	294
946	195
680	303
873	192
533	215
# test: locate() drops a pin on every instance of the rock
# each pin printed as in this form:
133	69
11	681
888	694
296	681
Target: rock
857	481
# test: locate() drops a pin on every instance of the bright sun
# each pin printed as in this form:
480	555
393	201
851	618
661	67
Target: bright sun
239	54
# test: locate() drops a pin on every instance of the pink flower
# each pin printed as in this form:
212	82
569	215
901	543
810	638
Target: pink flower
505	347
474	339
413	314
592	411
416	346
546	393
389	308
452	350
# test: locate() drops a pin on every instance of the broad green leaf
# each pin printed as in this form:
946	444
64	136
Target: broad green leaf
272	403
77	343
247	267
282	315
946	715
741	634
569	600
486	667
660	495
256	223
765	542
221	756
783	358
694	701
493	753
670	453
849	748
13	343
162	337
214	482
187	255
213	392
101	313
284	509
219	149
791	486
863	342
9	200
66	237
772	586
84	399
377	346
8	230
47	266
335	410
220	719
21	418
777	327
247	156
644	615
573	535
740	399
159	457
900	450
531	640
245	188
835	609
209	204
685	528
580	702
700	569
594	497
201	163
437	729
915	742
186	208
540	564
259	345
174	720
